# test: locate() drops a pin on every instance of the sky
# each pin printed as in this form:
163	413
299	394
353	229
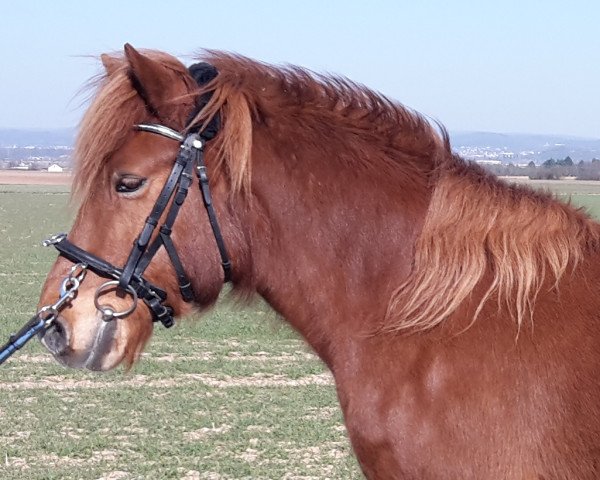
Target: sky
523	66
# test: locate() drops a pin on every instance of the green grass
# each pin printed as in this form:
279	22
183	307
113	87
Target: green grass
233	395
585	194
562	187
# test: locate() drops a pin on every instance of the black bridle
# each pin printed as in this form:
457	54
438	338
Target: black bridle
130	278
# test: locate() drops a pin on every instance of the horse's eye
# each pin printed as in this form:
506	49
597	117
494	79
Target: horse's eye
129	184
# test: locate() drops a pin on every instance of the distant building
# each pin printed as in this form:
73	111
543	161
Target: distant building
489	162
55	168
21	166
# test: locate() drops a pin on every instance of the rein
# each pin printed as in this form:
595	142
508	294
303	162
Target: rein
129	280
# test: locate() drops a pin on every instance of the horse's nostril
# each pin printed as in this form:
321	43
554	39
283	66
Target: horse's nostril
56	338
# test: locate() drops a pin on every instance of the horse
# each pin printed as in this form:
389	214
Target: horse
458	314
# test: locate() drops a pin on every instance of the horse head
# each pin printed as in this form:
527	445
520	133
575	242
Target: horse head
131	182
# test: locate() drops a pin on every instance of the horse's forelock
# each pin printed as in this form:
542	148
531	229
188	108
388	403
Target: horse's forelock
115	108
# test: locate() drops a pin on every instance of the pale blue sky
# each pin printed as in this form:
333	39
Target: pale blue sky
507	66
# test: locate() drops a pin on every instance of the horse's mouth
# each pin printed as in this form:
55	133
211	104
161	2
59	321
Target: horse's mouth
102	345
98	356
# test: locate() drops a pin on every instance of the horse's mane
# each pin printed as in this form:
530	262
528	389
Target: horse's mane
476	228
479	231
475	224
323	108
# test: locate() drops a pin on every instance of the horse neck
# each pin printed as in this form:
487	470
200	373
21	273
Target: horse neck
332	234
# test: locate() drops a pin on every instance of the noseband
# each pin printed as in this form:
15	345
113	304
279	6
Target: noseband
129	280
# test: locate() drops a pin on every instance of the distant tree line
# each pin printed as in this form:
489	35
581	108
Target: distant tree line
551	169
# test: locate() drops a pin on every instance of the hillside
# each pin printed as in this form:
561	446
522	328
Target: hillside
25	144
519	147
44	138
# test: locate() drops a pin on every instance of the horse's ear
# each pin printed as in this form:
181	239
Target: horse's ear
154	82
111	64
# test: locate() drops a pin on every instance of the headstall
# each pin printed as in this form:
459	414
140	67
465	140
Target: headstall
129	279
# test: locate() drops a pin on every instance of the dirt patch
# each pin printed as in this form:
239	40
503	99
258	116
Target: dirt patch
196	475
260	357
322	413
172	357
269	357
259	429
28	358
115	475
16	462
26	177
267	380
64	461
259	380
205	432
249	456
71	432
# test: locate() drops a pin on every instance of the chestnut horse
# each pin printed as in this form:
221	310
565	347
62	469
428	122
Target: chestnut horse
458	314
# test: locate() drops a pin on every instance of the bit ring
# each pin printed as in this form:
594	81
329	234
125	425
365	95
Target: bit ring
107	310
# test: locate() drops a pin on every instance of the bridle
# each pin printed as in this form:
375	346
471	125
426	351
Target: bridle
130	278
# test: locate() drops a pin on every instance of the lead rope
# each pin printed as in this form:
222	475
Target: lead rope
46	315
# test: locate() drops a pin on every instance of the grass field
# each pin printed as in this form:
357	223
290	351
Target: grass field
235	395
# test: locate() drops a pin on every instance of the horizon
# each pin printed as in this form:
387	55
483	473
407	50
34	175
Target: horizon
513	67
450	132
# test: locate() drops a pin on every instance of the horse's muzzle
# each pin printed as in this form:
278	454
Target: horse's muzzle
56	337
57	340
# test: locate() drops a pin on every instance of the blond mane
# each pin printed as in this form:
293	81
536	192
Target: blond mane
475	225
478	229
242	89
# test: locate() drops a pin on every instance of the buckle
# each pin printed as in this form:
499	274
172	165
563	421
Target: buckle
160	313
